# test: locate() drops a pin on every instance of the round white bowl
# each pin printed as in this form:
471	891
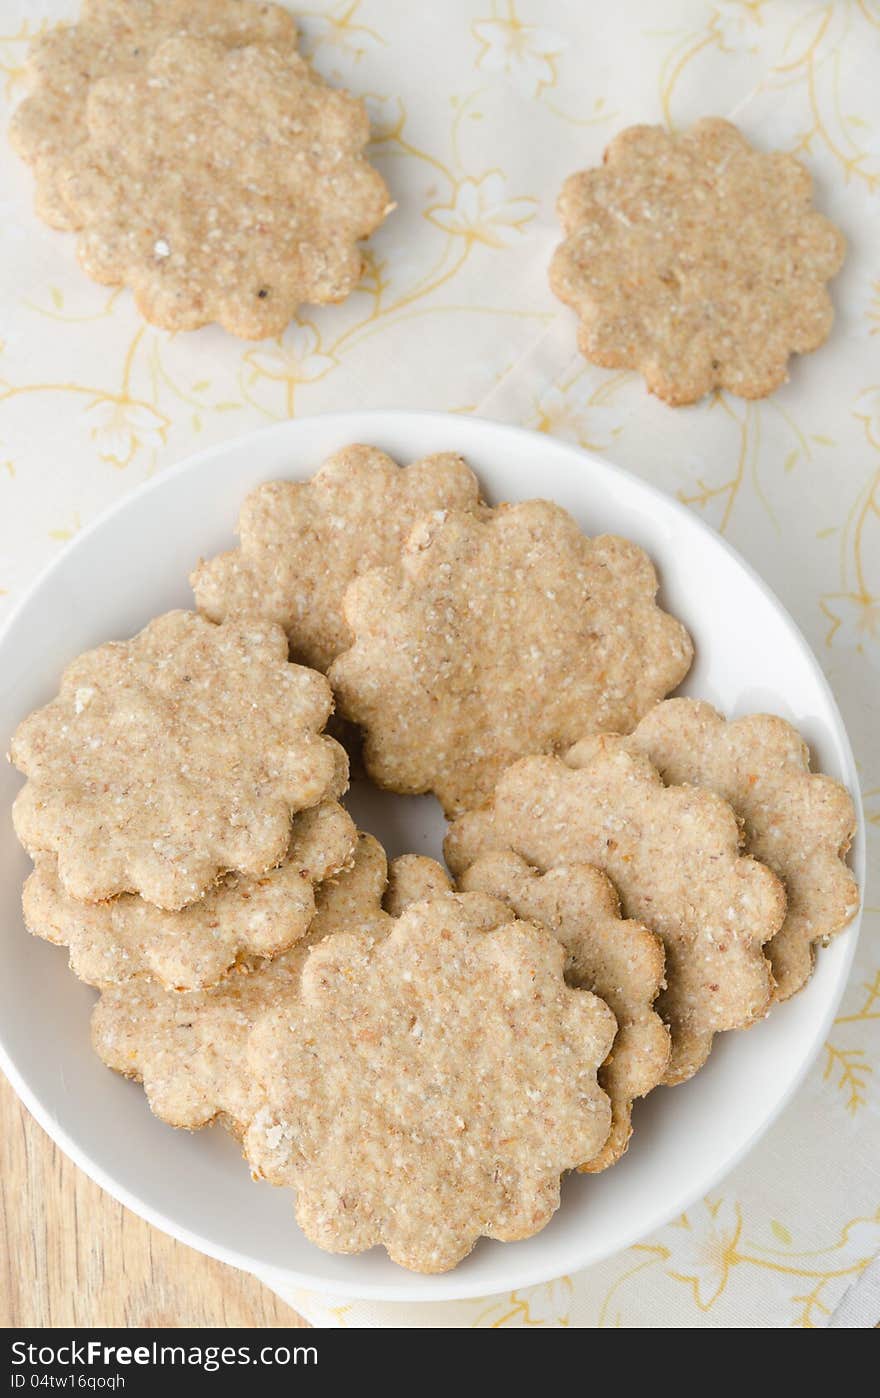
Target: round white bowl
133	564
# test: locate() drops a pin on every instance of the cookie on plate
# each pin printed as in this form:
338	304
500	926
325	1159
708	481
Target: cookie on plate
797	822
302	542
176	757
697	260
189	1049
112	37
126	938
672	853
621	961
430	1088
499	634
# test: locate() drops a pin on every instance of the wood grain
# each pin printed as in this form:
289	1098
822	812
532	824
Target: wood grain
70	1255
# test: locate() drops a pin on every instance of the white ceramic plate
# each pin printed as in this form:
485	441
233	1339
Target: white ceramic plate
133	564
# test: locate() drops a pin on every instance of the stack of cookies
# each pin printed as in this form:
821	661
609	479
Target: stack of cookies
421	1060
200	160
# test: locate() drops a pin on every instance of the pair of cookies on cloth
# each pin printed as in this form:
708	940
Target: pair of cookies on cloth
421	1064
200	159
206	165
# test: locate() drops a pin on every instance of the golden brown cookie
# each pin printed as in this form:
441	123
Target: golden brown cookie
173	758
620	961
500	634
223	184
112	37
697	260
125	938
189	1049
302	542
672	853
797	822
430	1088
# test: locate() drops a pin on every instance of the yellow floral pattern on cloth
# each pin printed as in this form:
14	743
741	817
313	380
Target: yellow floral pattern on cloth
479	110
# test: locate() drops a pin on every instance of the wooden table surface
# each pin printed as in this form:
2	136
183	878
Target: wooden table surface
70	1255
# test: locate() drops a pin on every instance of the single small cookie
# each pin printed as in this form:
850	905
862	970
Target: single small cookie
113	37
697	260
243	916
672	853
173	758
799	823
430	1088
302	542
620	961
500	634
224	184
189	1049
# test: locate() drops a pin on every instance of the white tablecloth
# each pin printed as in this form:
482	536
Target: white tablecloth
481	108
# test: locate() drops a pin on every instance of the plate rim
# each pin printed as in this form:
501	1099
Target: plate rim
449	1286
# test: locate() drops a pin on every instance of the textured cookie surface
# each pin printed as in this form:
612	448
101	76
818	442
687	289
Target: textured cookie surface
697	260
620	961
127	938
797	822
672	853
189	1049
303	542
175	757
430	1088
498	635
113	37
414	876
224	185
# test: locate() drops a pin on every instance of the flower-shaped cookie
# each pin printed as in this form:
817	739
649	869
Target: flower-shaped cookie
430	1088
672	853
173	758
189	1049
112	37
620	961
500	634
697	260
126	938
797	822
224	185
302	542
